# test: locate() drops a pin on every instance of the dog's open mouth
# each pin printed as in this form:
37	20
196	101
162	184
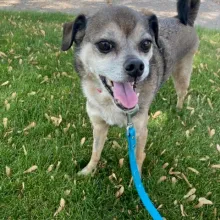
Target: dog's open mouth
123	94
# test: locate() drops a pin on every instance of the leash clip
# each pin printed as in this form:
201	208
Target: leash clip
130	113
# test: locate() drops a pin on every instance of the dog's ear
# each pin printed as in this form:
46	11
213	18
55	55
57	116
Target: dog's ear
154	28
152	24
73	32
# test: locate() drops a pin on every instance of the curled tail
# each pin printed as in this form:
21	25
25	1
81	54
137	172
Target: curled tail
187	11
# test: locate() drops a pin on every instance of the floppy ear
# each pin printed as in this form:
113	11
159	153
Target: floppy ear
73	32
154	28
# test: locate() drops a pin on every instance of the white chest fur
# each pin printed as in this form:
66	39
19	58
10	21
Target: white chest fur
100	104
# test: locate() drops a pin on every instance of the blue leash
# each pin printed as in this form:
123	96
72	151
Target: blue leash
131	137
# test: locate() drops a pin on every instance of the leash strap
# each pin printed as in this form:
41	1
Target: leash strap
131	137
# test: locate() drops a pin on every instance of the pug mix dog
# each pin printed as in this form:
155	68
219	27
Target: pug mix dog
123	57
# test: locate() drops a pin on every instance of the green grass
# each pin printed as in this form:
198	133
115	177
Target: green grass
33	67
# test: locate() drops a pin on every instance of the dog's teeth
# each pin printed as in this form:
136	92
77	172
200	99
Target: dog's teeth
138	94
109	82
117	102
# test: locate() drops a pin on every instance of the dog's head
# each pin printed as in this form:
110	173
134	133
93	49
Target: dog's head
115	45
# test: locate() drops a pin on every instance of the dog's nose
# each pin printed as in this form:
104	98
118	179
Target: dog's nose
134	67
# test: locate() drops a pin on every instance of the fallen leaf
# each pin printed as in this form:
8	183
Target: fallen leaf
8	171
193	170
67	192
43	32
208	194
191	192
116	144
160	206
7	105
5	83
121	162
56	121
211	132
165	165
213	42
20	61
113	176
216	166
204	158
171	172
162	178
183	213
191	198
46	79
156	114
58	165
24	149
47	116
190	108
215	212
31	93
5	122
189	100
203	201
50	168
22	187
31	169
13	95
192	112
215	74
67	128
10	68
187	133
130	182
174	180
31	125
218	148
2	54
119	192
187	181
163	152
201	65
210	103
61	207
82	141
66	176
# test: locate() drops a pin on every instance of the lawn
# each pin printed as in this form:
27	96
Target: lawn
43	123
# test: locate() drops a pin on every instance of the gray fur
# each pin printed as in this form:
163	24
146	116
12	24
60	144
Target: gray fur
173	53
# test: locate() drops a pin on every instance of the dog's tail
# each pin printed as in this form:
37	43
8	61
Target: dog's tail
187	11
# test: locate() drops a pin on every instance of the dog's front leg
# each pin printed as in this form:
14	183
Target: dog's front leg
140	124
100	130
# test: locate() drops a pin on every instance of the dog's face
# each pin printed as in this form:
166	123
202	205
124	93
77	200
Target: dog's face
115	45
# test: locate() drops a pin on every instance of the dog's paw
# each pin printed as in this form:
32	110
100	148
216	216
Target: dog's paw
84	172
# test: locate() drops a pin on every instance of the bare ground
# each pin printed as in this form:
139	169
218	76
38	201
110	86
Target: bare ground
209	14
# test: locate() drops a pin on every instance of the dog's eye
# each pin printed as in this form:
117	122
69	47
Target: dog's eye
145	45
105	46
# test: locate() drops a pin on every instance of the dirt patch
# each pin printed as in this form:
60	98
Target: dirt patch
209	15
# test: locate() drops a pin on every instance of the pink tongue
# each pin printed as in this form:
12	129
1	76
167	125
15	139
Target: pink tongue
124	93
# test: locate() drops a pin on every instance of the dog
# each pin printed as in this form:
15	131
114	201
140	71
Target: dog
123	57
